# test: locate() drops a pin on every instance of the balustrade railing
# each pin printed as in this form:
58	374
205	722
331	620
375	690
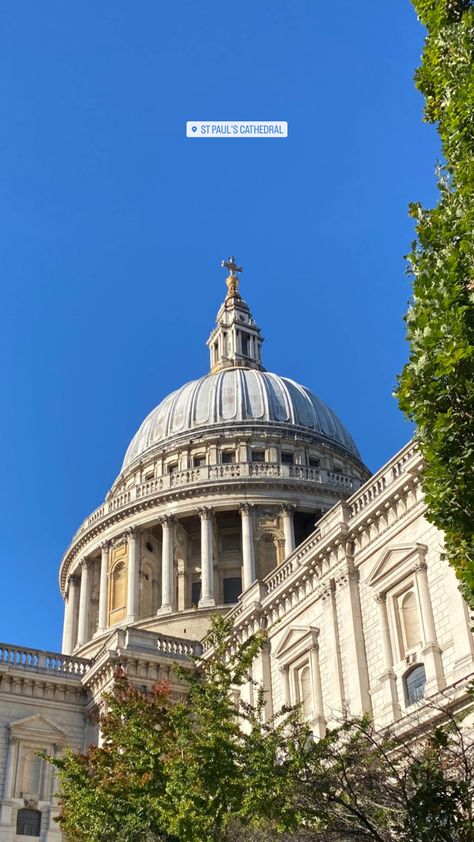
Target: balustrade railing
213	473
372	489
176	648
42	661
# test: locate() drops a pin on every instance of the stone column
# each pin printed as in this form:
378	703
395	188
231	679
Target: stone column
70	615
207	569
104	583
316	687
84	602
267	681
11	768
248	550
431	651
288	529
285	678
391	708
133	580
167	555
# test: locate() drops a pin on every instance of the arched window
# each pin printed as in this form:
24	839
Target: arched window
28	822
414	683
411	622
118	592
305	692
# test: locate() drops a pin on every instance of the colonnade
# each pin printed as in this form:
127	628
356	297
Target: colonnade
79	588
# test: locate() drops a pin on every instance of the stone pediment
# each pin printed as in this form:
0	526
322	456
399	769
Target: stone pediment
395	563
298	639
38	728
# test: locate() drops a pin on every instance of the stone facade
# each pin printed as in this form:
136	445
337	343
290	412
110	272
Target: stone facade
241	493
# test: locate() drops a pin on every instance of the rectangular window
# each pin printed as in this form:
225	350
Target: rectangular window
258	456
287	458
149	475
313	463
232	589
227	457
172	468
196	592
199	461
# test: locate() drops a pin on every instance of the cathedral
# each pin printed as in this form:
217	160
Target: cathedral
242	493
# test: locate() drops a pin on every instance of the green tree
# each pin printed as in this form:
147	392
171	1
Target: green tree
181	769
436	387
360	784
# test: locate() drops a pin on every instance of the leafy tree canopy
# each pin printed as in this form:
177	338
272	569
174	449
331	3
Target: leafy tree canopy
436	387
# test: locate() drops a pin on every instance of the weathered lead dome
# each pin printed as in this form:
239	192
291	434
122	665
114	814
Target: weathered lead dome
239	397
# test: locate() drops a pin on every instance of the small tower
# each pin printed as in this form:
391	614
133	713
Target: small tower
236	340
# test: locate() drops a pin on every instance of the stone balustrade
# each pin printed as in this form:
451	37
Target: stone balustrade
350	513
40	660
177	648
254	471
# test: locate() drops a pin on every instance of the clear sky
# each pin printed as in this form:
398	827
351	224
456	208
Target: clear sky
113	225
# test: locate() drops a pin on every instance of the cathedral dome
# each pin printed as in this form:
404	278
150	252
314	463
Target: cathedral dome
239	398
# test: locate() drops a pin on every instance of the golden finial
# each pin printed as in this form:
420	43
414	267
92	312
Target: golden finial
232	280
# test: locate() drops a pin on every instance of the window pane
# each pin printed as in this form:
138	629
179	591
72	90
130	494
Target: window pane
415	685
258	456
232	589
287	458
196	592
28	822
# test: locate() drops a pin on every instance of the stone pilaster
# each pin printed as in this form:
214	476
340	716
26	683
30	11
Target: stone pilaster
391	708
319	722
431	652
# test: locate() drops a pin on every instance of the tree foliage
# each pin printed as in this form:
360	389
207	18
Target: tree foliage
198	769
436	387
181	769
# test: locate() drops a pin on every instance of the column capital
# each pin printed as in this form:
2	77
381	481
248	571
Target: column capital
380	597
205	512
167	520
132	532
420	566
73	579
106	545
284	669
246	508
85	562
288	508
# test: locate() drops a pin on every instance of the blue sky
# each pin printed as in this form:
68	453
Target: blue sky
113	226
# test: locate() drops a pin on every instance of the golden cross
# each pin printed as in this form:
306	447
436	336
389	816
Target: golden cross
231	265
